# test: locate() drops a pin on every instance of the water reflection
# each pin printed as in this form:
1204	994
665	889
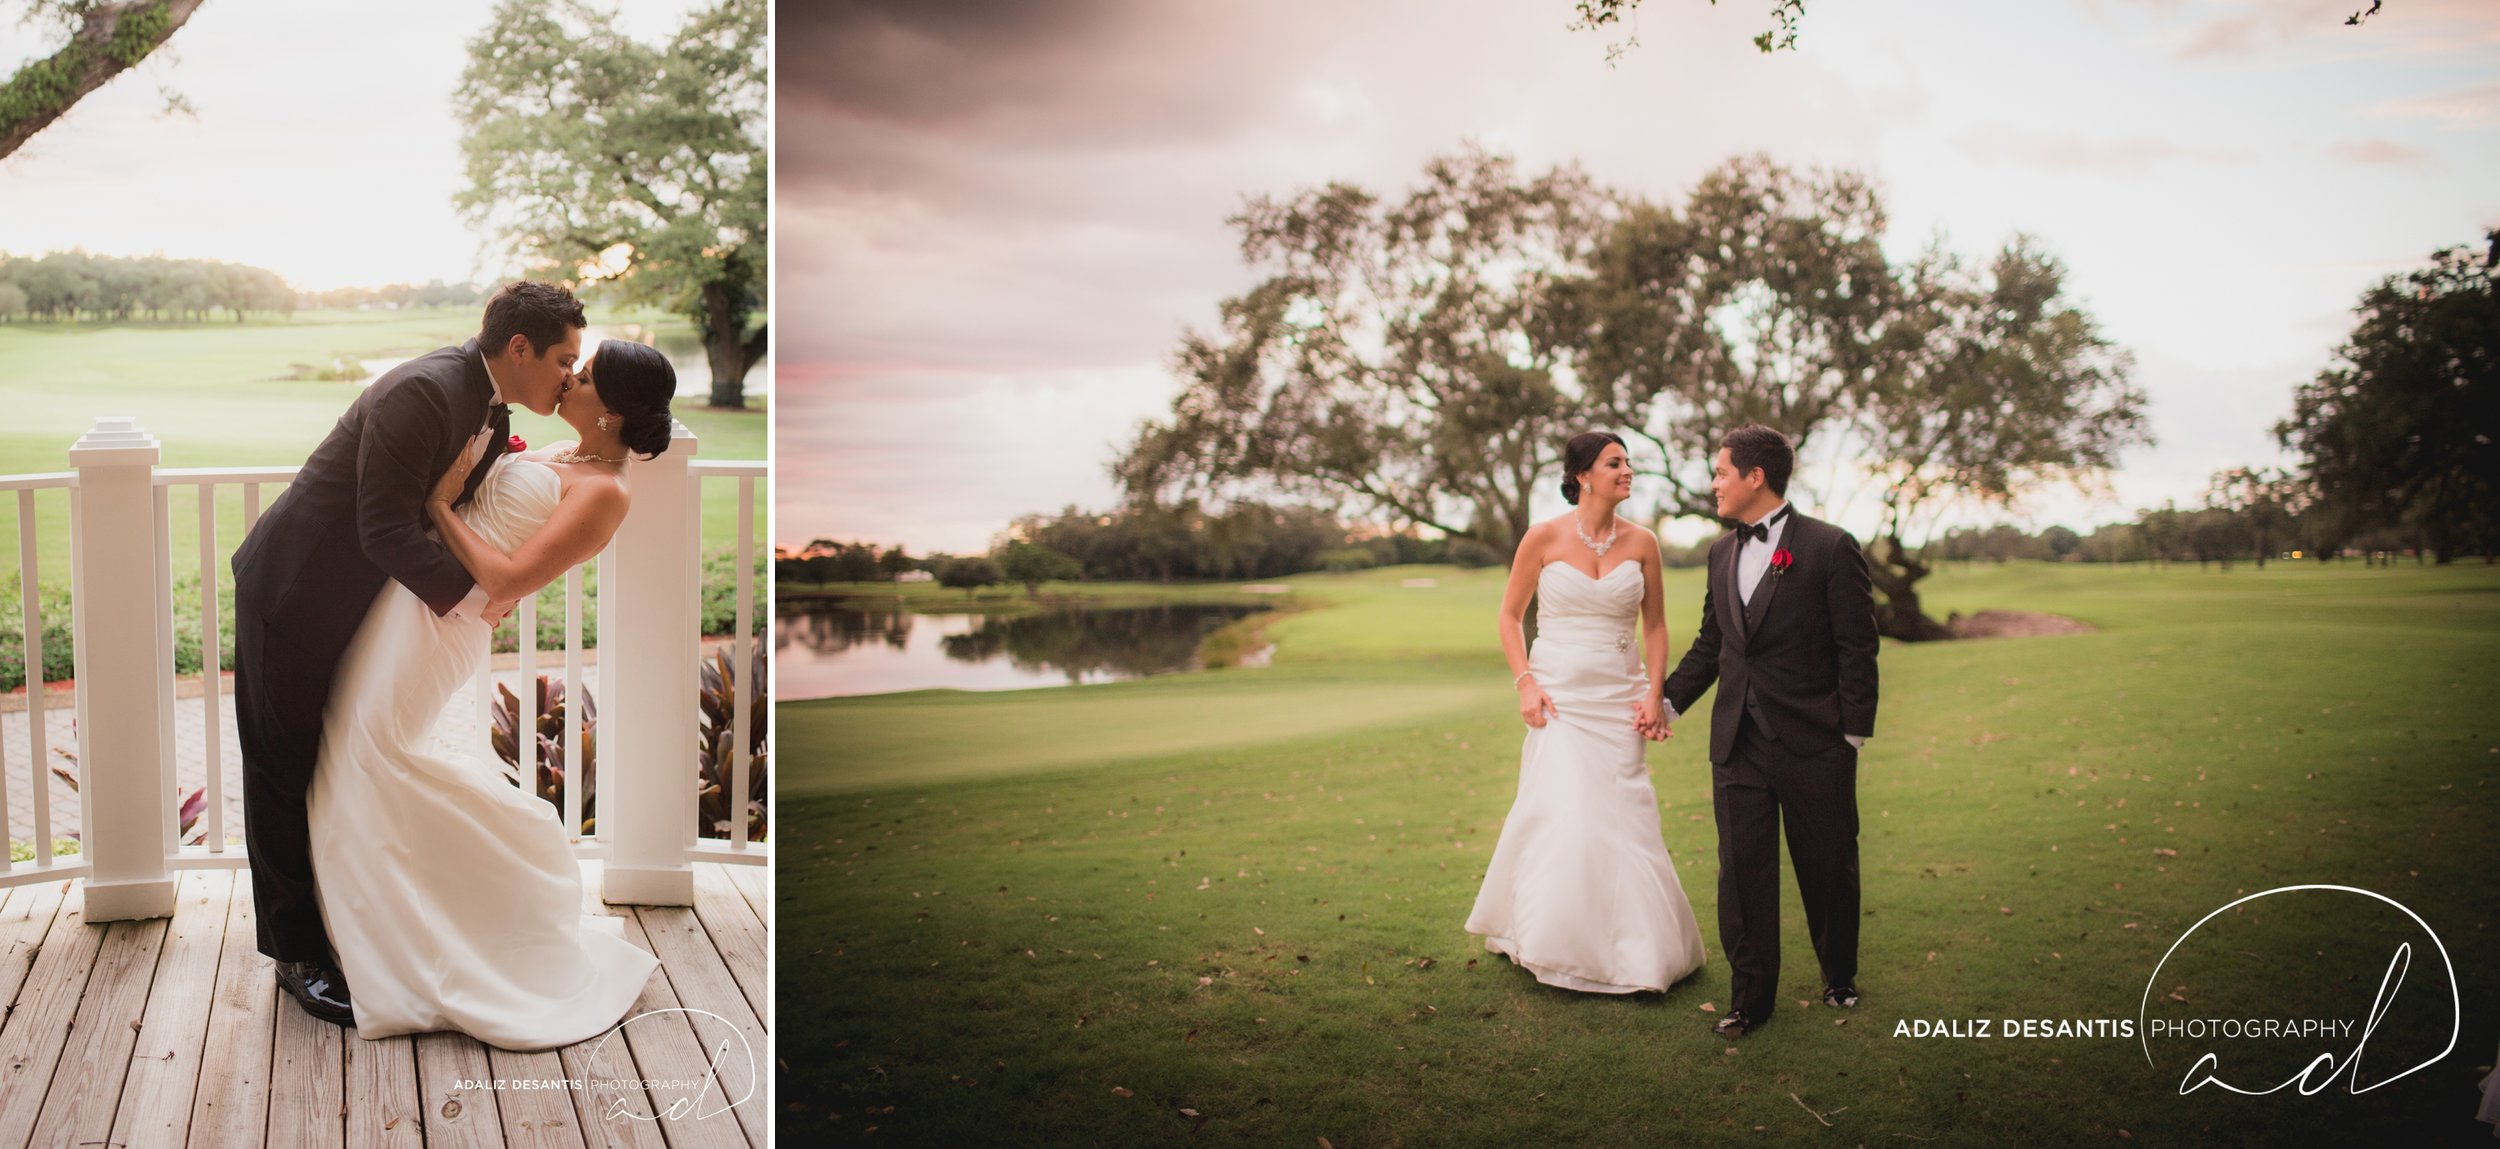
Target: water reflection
827	651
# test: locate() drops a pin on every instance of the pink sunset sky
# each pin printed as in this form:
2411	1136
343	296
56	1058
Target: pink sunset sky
996	220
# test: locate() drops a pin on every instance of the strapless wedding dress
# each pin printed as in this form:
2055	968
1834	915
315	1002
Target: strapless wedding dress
452	897
1580	891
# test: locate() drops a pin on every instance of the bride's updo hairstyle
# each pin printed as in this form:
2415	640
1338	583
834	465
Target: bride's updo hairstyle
637	382
1579	455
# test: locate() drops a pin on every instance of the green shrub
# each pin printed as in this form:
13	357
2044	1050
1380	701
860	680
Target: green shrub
1472	555
1345	559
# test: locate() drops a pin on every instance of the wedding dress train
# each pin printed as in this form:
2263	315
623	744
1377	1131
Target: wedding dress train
452	897
1580	890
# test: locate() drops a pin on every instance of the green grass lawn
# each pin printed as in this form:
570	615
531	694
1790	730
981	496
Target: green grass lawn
1242	892
218	395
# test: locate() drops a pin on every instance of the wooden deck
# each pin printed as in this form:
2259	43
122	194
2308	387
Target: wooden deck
173	1032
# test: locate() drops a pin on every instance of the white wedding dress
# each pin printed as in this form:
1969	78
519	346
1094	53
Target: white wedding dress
452	897
1580	891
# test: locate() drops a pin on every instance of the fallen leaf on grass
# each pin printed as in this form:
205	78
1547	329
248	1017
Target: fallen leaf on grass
1707	1007
1122	1090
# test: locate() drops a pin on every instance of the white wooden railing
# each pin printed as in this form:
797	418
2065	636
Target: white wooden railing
123	633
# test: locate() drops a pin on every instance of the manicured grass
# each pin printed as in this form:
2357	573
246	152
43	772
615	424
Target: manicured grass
978	942
217	395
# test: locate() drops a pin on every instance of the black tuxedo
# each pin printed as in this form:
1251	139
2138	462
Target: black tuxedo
1795	669
353	518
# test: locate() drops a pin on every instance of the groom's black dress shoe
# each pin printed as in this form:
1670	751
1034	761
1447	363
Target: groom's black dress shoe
1737	1023
1841	996
320	989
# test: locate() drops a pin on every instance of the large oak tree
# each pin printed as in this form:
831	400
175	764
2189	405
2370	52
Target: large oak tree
1389	360
611	158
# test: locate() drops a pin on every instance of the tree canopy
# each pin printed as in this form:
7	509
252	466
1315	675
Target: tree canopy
2401	430
612	160
1426	359
1392	355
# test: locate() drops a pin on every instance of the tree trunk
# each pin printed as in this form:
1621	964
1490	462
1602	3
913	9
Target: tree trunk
1896	575
726	346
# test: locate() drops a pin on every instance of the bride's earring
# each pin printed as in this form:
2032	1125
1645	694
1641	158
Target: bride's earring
606	421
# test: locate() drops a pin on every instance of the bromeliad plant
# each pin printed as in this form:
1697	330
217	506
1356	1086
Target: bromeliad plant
716	739
553	721
713	741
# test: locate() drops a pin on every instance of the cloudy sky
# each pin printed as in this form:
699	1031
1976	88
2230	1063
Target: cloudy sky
323	147
997	219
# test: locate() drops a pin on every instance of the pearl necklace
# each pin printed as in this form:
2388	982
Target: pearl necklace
1593	544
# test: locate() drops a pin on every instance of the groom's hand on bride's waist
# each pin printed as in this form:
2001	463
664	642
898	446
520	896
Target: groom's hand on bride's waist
496	612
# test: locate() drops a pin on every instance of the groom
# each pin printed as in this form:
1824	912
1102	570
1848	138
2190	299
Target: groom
1788	633
353	517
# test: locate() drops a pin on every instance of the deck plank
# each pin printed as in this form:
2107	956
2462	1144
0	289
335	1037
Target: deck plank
537	1115
173	1032
702	980
95	1060
26	916
756	883
667	1049
610	1083
37	1027
231	1106
382	1097
737	934
307	1070
610	1091
165	1062
460	1113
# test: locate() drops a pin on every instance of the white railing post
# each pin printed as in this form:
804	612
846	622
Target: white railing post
114	602
649	667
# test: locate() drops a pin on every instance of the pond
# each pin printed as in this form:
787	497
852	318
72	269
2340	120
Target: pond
824	650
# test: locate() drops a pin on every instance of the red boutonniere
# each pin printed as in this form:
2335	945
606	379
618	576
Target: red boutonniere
517	445
1781	560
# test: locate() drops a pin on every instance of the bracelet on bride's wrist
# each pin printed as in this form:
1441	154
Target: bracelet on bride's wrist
1522	674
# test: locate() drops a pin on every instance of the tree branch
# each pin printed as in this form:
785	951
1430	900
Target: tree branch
111	39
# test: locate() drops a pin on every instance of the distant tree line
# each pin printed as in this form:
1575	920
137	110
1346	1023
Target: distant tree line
433	293
2246	515
1186	541
70	286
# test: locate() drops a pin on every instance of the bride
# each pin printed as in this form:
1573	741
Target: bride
452	897
1580	891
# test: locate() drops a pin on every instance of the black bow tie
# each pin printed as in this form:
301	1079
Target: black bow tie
1759	532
